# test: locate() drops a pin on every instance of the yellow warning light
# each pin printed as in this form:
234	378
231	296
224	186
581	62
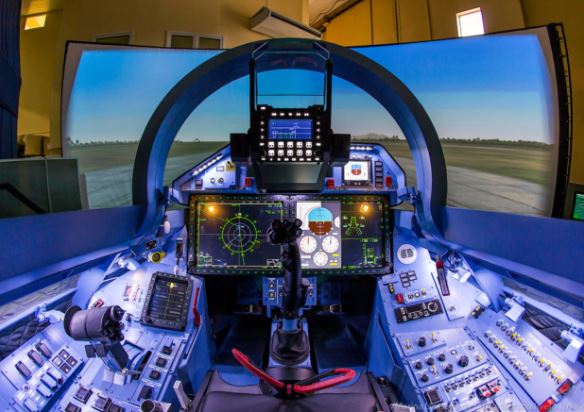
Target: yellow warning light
365	207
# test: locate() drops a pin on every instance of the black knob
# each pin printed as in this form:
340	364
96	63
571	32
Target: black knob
430	361
463	361
424	378
448	368
418	365
442	357
422	341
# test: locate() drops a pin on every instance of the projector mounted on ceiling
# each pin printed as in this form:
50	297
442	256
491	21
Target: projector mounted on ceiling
273	24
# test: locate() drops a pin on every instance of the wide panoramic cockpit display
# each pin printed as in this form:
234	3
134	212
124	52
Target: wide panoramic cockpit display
228	234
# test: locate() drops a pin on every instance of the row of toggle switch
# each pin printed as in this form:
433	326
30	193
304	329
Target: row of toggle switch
458	383
542	363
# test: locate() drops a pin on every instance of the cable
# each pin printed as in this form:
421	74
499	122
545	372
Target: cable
337	376
331	8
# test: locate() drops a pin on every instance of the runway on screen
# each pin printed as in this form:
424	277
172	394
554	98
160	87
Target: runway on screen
466	187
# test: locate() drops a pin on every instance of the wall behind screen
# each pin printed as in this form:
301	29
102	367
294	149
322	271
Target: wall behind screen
489	98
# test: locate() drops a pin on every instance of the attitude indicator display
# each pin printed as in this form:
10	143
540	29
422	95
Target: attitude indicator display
321	234
233	233
344	232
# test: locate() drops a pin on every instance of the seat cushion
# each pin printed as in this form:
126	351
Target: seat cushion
326	402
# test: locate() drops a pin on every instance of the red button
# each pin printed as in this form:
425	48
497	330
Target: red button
248	182
565	386
547	405
330	183
399	298
388	181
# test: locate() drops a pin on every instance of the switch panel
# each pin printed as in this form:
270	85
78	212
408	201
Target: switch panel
524	353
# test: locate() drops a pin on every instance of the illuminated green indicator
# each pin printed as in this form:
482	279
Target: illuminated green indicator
578	212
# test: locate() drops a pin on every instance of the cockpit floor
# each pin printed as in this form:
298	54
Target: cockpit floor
248	333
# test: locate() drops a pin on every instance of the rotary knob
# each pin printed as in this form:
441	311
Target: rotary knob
463	361
422	341
418	365
442	357
424	378
448	368
430	361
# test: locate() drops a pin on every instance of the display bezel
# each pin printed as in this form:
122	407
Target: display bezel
357	183
289	202
387	222
192	234
163	323
574	204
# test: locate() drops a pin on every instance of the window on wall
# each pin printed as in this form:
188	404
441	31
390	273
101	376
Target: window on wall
210	42
180	40
35	22
118	38
470	22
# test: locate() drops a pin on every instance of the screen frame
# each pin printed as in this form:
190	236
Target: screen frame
359	183
290	213
558	202
192	235
574	201
386	239
146	309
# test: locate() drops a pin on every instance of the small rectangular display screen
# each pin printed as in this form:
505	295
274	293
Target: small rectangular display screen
357	171
290	129
578	212
342	234
233	234
167	299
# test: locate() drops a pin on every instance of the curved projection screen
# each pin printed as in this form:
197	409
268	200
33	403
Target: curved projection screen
493	100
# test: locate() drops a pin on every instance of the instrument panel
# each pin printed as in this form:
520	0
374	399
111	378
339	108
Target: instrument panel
348	234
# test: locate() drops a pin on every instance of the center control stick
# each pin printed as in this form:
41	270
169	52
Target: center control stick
289	344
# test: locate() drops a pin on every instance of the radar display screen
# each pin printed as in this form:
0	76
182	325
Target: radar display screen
290	129
344	232
231	233
167	301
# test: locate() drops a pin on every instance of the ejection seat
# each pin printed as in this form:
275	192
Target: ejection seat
364	395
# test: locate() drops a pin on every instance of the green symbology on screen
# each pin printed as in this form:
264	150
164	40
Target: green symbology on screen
234	234
578	212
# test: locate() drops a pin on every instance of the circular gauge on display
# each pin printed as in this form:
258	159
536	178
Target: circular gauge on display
330	244
308	244
320	259
320	221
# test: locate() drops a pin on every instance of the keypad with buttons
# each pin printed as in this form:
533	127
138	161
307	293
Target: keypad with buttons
292	148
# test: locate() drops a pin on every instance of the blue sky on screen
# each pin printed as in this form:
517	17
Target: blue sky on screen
486	87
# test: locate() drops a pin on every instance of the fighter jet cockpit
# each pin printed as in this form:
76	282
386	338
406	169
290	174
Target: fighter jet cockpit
299	269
